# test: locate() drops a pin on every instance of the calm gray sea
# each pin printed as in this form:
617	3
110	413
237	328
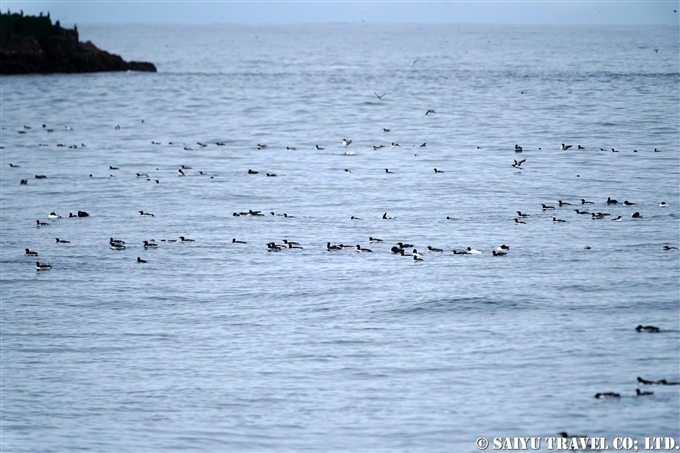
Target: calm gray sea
224	347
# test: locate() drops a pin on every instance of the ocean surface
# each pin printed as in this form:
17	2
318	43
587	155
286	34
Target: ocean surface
218	346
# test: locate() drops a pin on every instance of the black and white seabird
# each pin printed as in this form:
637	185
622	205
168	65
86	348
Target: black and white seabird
518	164
234	241
646	382
433	249
42	267
584	201
610	201
140	260
642	328
565	147
146	214
150	245
62	241
438	171
387	217
186	239
42	223
387	170
359	249
30	253
607	395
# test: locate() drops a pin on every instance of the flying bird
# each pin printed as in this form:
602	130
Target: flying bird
518	164
379	96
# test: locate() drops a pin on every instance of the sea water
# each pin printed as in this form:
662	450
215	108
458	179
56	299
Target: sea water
218	346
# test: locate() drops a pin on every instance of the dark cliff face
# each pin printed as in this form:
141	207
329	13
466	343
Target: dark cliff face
32	45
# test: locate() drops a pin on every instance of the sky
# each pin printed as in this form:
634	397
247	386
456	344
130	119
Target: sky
380	11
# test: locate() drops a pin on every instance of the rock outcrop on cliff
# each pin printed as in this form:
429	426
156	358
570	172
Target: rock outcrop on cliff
33	45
